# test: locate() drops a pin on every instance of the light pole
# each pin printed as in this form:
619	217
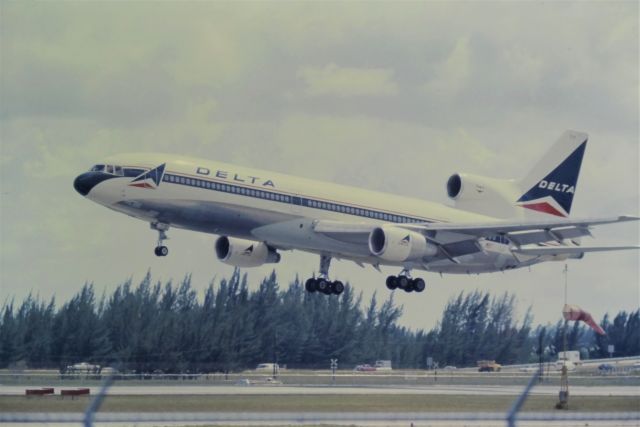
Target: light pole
334	366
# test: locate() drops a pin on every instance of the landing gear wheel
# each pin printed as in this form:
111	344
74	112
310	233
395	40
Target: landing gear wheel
323	286
419	285
337	287
403	282
409	287
161	251
311	285
392	282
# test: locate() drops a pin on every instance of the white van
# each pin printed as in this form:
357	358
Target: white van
268	368
569	364
383	365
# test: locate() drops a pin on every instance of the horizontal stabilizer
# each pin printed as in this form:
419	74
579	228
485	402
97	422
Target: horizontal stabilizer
568	250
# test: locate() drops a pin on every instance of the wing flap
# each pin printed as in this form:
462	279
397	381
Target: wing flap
521	238
570	250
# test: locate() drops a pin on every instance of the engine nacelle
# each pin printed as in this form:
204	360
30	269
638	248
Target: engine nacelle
244	253
484	195
397	244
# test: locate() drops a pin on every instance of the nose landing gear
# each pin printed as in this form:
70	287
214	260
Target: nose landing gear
322	283
160	249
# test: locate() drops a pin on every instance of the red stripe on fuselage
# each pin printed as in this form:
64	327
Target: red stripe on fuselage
141	185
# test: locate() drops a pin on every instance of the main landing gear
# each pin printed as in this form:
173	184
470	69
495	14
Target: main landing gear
405	282
322	283
160	249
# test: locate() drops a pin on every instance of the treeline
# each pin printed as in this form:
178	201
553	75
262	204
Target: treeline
167	327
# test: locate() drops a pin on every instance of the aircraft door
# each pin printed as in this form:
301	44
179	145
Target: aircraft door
296	204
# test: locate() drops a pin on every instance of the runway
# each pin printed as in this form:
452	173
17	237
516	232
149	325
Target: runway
486	390
339	418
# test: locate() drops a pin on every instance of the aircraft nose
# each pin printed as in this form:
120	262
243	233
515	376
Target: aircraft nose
85	182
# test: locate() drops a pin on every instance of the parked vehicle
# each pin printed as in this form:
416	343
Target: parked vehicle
606	367
572	356
365	368
83	368
268	368
489	366
383	365
570	365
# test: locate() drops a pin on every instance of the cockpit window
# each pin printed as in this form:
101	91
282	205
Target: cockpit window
112	169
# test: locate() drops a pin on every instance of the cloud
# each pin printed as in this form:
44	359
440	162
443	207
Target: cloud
452	75
347	82
372	95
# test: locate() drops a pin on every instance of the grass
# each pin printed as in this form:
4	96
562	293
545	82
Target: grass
343	378
315	403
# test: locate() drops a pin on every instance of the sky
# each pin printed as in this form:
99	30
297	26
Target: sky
393	97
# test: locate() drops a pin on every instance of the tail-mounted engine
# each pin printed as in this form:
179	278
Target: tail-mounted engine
483	195
244	253
397	244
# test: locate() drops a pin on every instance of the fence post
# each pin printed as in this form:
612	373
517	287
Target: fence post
90	413
517	405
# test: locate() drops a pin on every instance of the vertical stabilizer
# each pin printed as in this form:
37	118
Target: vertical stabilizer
551	184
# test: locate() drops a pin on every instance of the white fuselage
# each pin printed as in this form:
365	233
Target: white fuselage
223	199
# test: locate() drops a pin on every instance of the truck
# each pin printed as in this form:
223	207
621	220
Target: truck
268	368
383	365
569	356
489	366
568	363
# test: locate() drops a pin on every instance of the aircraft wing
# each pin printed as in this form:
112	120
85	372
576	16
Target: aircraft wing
518	232
462	239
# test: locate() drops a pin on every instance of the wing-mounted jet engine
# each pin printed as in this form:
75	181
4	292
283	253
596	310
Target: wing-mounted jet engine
244	253
484	195
397	244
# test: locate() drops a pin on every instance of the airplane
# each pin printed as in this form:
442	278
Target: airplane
494	225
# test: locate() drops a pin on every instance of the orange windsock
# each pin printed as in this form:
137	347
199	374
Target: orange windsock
573	312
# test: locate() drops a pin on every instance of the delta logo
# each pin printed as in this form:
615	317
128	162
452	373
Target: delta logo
149	180
553	194
556	186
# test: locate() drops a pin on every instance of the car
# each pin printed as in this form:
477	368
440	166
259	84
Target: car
364	368
449	368
606	367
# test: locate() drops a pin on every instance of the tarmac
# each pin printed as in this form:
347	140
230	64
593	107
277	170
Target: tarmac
444	389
